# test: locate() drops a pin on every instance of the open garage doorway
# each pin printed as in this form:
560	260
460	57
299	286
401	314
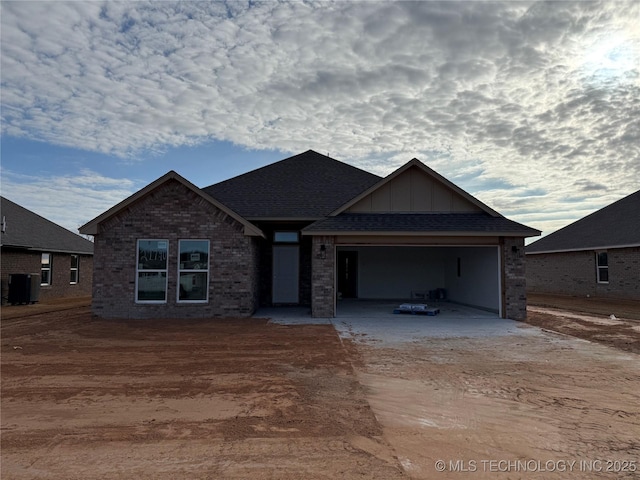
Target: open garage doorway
463	275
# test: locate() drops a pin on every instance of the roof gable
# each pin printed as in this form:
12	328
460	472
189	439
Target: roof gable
306	186
91	228
28	230
415	188
616	225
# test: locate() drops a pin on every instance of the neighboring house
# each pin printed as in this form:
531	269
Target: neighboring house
32	244
599	255
308	230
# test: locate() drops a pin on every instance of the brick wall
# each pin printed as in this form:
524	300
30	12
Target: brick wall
574	273
173	212
20	261
322	277
515	285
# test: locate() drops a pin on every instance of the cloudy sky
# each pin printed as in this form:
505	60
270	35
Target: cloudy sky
534	107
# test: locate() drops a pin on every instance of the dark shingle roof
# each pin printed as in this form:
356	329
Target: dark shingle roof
308	185
26	229
617	224
480	223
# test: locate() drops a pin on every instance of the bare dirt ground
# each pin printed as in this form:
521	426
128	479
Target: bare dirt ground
235	399
589	319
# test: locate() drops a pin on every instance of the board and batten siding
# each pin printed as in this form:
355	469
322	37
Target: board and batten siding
414	191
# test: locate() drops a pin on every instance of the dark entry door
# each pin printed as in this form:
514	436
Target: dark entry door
348	274
286	260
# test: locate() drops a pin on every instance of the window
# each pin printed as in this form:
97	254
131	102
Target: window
193	271
151	280
45	269
602	267
75	263
285	237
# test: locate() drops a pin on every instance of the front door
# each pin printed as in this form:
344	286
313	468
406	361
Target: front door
286	263
348	274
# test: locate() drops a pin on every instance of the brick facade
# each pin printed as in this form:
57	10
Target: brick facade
514	286
322	277
574	273
21	261
173	212
240	266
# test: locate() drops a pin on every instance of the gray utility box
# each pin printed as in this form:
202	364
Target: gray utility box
24	288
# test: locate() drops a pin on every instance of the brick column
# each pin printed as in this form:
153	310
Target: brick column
515	285
322	277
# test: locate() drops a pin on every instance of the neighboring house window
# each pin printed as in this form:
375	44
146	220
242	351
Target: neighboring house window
193	271
151	279
45	269
75	264
285	237
602	267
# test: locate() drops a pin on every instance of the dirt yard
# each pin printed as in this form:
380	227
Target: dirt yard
615	323
236	399
83	398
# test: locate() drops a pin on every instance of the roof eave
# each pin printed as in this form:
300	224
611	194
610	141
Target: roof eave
31	248
439	233
586	249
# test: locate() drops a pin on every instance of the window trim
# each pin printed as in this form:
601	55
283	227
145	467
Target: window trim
48	269
165	271
75	269
181	270
599	267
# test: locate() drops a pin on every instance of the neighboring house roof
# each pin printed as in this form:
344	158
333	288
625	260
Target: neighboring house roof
91	228
477	224
614	226
28	230
307	186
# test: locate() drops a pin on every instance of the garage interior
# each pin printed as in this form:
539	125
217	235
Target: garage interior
465	275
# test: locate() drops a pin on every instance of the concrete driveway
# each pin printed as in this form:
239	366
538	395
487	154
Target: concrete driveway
465	393
374	321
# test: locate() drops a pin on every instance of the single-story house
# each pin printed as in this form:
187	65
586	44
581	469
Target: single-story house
60	261
307	230
598	255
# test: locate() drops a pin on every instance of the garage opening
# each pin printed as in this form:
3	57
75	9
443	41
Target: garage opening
466	275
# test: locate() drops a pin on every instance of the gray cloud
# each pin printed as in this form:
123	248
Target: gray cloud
83	196
514	87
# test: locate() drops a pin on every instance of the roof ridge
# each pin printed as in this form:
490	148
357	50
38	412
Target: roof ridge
255	170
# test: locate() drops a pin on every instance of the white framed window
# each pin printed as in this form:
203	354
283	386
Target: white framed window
151	271
602	267
45	269
75	270
193	271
